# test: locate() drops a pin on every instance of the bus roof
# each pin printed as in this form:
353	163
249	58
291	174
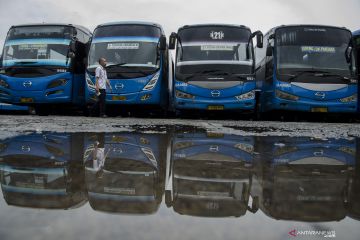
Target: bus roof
214	25
86	30
131	23
356	33
306	25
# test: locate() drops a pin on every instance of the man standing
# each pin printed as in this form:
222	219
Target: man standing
100	85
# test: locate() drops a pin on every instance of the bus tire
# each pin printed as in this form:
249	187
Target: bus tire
42	110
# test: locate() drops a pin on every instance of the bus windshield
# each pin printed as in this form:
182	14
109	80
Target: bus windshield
126	47
313	49
37	45
226	47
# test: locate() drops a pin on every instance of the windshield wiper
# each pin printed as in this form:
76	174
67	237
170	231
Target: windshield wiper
117	65
123	65
328	74
244	78
205	72
294	76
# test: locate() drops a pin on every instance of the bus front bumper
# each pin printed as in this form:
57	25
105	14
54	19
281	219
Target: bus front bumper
302	105
137	98
209	104
62	95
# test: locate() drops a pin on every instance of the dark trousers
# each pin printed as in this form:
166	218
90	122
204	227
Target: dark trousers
100	104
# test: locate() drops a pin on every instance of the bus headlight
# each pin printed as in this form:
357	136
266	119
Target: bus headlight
89	82
180	94
4	84
245	147
352	98
57	83
151	84
287	96
246	96
150	155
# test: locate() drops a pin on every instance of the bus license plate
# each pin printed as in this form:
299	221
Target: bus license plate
320	110
215	108
119	98
26	100
214	135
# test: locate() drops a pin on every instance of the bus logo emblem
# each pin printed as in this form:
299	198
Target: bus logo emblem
119	86
320	95
214	148
27	84
215	93
25	148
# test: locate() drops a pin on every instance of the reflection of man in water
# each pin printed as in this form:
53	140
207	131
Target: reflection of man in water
98	155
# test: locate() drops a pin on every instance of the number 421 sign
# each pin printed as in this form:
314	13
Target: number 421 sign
217	35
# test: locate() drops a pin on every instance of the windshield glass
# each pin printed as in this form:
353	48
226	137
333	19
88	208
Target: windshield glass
141	52
312	48
200	48
42	45
126	47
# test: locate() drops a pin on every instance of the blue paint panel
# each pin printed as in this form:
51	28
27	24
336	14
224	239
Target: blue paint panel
203	97
10	107
38	90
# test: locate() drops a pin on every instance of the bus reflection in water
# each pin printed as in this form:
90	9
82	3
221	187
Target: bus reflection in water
210	175
124	172
304	179
354	194
42	171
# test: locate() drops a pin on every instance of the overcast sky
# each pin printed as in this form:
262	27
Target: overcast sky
171	14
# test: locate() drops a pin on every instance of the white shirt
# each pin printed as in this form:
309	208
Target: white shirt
100	73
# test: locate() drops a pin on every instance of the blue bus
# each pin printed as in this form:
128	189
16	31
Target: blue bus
209	175
354	195
138	64
356	43
43	171
43	65
305	179
306	68
124	172
214	67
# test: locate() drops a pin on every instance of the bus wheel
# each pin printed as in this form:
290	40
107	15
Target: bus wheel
258	115
42	110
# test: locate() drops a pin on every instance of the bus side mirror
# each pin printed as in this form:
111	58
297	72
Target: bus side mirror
269	51
260	40
1	61
73	46
71	54
172	40
162	43
348	54
87	46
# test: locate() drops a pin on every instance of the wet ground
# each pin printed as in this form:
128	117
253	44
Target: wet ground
63	178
